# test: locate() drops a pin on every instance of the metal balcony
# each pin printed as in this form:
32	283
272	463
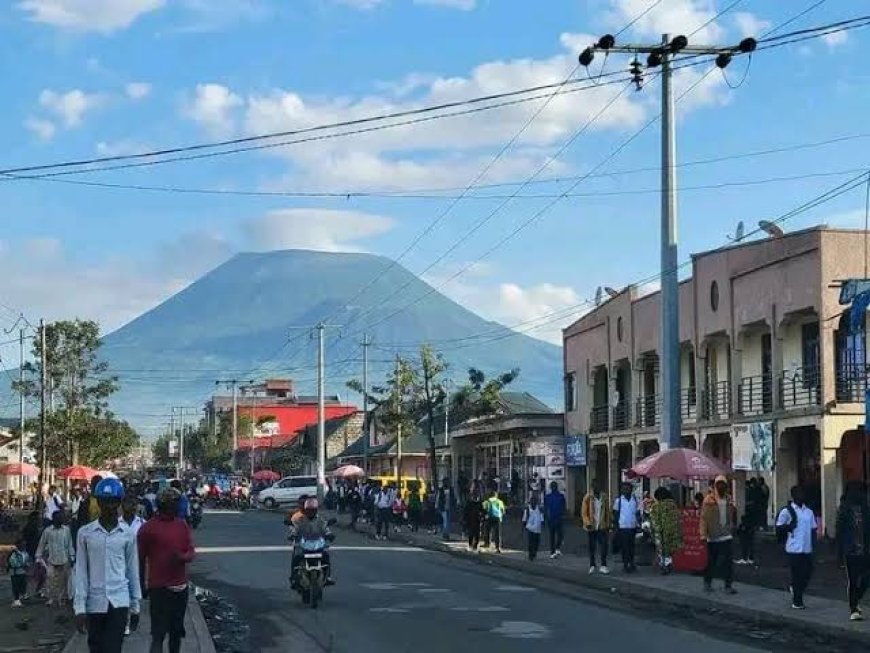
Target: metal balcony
800	387
755	395
598	419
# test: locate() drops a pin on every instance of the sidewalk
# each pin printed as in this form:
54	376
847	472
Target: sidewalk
754	606
197	640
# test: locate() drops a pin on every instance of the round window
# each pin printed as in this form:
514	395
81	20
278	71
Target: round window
619	329
714	296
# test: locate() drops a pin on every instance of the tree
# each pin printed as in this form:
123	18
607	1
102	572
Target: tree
480	396
431	395
80	429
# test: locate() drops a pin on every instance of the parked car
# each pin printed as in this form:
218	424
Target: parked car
287	490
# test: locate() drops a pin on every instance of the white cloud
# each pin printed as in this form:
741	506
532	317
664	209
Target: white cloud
137	90
121	147
44	129
213	106
834	39
70	107
748	24
217	15
671	17
103	16
318	229
464	5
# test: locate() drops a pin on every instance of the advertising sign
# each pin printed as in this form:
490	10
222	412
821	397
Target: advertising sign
693	555
752	447
575	451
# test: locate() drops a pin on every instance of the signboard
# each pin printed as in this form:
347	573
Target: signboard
693	555
173	449
851	289
752	447
575	451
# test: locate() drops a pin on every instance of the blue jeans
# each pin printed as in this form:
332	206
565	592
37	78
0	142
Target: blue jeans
445	524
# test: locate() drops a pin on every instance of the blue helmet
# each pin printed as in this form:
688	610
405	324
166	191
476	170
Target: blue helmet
109	488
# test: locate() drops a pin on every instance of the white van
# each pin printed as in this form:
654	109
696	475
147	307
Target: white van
287	491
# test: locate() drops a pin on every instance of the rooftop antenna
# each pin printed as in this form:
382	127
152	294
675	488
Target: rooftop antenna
599	292
770	229
739	233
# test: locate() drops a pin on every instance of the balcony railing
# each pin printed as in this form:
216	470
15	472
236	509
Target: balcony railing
851	383
755	395
800	387
620	416
598	422
716	403
648	411
689	404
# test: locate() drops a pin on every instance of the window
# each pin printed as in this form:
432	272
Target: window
714	296
570	392
810	354
693	394
303	481
619	329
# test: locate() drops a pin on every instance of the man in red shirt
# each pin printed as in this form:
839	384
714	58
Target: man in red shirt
165	549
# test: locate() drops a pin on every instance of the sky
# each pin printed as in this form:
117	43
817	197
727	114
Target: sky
87	78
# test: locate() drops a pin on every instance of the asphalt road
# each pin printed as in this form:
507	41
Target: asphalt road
395	598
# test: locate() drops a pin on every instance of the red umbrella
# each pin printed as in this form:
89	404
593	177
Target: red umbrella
349	471
678	464
19	469
77	473
266	475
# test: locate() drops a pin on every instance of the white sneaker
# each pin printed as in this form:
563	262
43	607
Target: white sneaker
553	556
592	570
856	616
740	562
750	562
604	570
558	553
127	631
16	603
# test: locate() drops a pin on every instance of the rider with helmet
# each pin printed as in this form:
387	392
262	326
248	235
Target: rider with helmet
310	527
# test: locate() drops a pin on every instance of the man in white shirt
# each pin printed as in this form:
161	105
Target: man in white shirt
107	574
53	503
799	523
383	506
626	514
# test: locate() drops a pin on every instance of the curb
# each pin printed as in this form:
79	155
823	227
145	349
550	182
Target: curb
605	589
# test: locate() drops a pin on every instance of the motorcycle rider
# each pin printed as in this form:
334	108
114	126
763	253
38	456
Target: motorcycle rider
310	527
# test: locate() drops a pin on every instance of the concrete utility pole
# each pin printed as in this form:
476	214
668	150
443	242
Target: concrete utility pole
663	54
233	383
366	343
21	416
321	411
181	442
42	383
399	427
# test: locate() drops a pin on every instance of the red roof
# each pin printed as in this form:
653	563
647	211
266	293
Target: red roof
289	419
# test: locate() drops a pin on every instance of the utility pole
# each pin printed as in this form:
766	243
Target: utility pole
43	378
181	443
663	54
21	416
366	343
321	410
234	384
399	427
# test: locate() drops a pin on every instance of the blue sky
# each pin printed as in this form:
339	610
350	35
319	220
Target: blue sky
84	78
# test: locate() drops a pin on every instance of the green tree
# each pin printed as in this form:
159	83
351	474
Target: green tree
480	396
431	395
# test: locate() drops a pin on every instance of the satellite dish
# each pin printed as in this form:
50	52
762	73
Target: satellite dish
598	295
770	229
739	233
610	291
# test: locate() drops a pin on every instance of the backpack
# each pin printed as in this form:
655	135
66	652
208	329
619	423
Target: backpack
494	509
783	531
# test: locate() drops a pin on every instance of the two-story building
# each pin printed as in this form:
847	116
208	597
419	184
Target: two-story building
765	348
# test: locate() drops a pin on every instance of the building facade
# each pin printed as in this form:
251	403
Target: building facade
765	348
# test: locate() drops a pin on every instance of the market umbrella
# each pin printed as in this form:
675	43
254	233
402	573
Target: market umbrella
678	464
349	471
18	469
266	475
77	473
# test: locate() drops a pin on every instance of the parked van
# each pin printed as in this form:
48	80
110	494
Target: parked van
287	491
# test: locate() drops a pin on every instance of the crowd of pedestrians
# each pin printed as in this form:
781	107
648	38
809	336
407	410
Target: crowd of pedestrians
102	549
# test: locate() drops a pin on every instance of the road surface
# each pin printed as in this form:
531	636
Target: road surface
397	598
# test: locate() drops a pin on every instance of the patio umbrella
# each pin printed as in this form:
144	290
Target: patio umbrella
77	473
349	471
678	464
18	469
266	475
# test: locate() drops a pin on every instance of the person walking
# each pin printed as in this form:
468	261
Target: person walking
415	510
626	517
597	520
354	504
763	503
666	528
796	526
165	549
555	507
718	521
853	546
383	508
106	574
55	551
445	504
17	565
472	517
493	509
53	503
533	520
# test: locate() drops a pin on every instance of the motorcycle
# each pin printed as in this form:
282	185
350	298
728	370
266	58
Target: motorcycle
195	516
311	572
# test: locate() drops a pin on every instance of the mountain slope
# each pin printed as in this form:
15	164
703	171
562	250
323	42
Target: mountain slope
232	323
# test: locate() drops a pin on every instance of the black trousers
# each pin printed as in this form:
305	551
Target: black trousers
382	521
472	529
534	543
801	565
19	587
597	542
492	534
857	579
167	618
106	630
626	546
747	543
556	535
719	558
